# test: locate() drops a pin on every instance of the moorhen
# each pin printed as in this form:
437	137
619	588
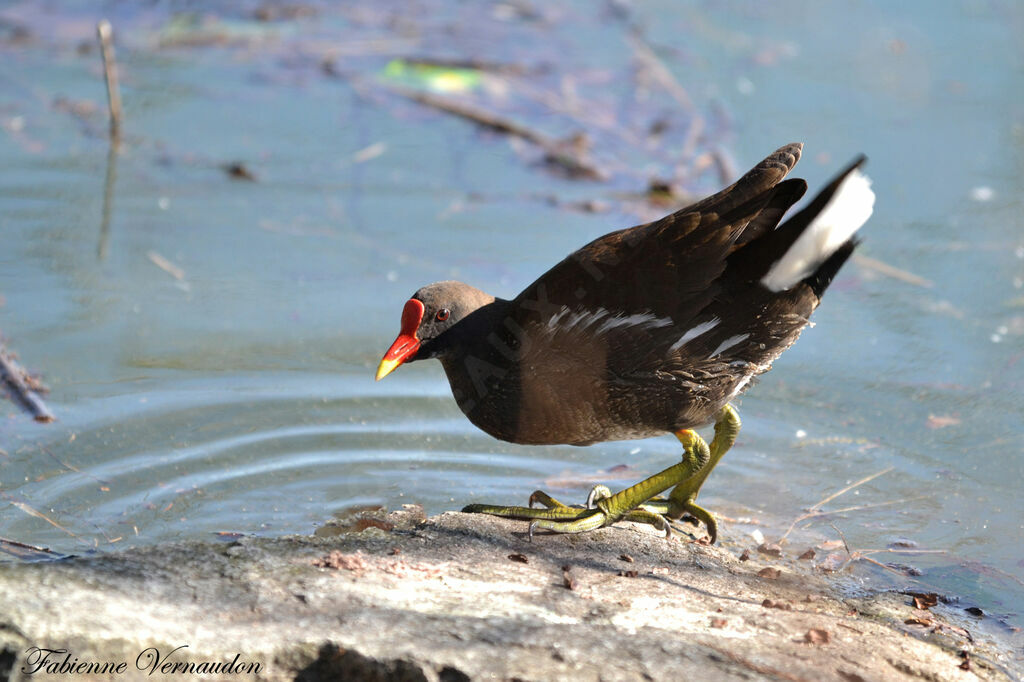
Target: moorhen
643	331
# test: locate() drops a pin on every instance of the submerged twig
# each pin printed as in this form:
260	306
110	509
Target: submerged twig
104	484
582	112
166	265
850	487
39	515
661	73
13	376
103	31
817	514
876	562
859	555
881	268
903	550
561	153
23	550
842	537
815	509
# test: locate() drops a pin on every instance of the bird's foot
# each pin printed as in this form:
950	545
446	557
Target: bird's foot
663	507
640	503
601	510
559	518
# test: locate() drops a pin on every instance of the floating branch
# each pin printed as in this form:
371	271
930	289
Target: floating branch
27	552
14	377
881	268
562	153
103	30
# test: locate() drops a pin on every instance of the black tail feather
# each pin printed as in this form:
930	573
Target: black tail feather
823	276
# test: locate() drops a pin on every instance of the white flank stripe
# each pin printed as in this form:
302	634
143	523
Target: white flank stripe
729	343
639	320
565	320
556	318
581	319
694	333
848	209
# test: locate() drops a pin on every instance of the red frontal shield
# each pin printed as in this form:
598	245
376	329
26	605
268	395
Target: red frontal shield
407	343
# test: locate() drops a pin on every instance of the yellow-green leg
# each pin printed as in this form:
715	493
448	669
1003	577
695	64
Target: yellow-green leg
639	515
682	498
639	502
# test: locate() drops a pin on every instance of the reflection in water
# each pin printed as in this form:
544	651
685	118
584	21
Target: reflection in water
108	198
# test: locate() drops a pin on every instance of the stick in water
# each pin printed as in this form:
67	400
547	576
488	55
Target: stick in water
12	376
103	30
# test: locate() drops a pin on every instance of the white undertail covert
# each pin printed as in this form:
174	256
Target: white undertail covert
848	209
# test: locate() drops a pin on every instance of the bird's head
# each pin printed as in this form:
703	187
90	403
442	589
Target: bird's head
427	318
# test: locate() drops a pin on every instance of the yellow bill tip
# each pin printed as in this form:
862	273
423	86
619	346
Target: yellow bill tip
386	367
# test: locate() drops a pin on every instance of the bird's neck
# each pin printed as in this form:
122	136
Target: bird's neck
471	335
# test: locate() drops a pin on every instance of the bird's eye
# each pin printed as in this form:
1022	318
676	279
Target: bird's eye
443	314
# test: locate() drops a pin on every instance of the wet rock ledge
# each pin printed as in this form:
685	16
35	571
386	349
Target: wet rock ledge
460	597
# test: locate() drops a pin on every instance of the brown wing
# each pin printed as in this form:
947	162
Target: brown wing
670	267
